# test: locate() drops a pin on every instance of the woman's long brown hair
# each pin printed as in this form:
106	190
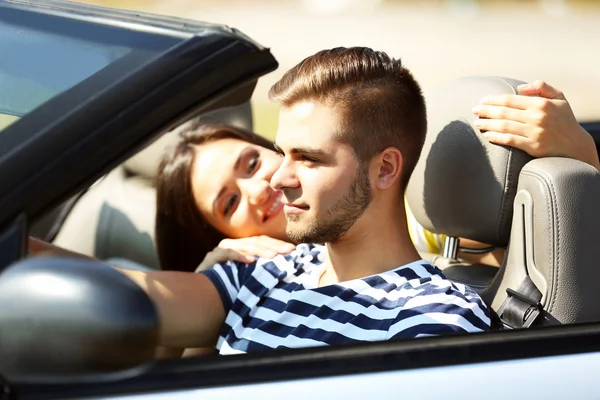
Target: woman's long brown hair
183	237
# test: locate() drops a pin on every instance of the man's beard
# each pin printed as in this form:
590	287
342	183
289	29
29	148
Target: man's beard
339	218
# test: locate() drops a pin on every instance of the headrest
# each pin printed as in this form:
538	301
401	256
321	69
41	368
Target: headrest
145	163
463	185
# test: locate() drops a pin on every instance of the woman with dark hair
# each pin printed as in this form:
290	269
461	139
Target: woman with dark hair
238	164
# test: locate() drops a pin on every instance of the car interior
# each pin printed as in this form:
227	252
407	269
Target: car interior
463	186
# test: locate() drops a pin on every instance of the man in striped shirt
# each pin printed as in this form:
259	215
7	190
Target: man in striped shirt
279	303
351	128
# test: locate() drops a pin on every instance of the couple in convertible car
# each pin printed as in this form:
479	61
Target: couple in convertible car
352	125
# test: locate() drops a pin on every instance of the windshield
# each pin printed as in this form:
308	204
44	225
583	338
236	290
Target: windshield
37	65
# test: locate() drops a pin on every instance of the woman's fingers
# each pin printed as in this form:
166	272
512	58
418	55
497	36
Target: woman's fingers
501	112
260	246
513	101
501	125
507	139
221	255
542	89
275	244
245	250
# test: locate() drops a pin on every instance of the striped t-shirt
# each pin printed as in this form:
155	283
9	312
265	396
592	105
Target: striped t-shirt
276	303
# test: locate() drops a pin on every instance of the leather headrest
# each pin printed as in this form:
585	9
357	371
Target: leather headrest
145	163
463	185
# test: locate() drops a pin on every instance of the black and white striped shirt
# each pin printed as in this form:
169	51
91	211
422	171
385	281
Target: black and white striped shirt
277	303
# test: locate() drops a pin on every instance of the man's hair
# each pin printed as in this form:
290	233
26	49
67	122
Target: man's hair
380	103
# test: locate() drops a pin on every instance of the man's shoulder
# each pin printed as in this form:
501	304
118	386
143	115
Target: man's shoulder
303	256
311	252
426	290
426	279
419	270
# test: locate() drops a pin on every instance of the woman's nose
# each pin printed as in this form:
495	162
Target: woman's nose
257	190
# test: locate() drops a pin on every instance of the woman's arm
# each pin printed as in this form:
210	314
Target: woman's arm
38	247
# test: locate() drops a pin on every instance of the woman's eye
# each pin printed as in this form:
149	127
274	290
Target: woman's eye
229	206
252	164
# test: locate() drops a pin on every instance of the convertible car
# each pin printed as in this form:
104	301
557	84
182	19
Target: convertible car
90	96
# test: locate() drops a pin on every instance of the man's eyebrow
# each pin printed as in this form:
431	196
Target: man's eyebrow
302	150
238	161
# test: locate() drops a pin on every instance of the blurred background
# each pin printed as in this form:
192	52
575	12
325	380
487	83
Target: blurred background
554	40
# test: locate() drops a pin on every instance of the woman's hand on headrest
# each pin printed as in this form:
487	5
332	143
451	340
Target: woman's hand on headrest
539	121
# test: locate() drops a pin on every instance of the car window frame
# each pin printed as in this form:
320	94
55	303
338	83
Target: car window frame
108	121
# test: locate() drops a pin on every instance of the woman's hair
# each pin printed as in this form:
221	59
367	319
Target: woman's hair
183	237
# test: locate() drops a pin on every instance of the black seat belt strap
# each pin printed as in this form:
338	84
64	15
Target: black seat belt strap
522	307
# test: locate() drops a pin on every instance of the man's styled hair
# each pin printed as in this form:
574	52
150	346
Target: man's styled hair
380	102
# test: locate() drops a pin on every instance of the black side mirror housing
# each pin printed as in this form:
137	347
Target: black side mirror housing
72	320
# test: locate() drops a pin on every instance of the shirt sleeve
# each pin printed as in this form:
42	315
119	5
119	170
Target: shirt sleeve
228	278
441	307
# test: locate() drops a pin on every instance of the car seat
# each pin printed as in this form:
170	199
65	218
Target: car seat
544	211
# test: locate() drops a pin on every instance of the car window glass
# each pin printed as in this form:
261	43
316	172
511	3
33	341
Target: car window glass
37	65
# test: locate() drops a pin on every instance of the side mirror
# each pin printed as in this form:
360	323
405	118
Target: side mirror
66	319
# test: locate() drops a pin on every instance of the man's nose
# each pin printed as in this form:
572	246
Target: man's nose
284	177
257	190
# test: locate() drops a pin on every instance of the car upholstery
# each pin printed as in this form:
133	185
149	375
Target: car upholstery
544	211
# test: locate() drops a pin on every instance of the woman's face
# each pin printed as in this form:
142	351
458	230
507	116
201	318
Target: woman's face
230	183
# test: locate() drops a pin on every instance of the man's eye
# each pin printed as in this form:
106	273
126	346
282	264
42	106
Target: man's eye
309	159
230	204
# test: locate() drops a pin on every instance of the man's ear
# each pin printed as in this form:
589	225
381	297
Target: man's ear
388	167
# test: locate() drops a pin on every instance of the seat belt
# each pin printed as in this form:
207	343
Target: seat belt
522	307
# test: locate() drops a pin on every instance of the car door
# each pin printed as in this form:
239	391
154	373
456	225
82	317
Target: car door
549	362
82	88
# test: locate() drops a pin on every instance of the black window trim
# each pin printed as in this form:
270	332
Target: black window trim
593	127
134	21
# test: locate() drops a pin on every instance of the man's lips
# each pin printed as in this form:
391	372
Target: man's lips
290	208
273	207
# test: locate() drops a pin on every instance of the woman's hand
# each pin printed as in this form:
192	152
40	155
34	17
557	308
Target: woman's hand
543	126
245	250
